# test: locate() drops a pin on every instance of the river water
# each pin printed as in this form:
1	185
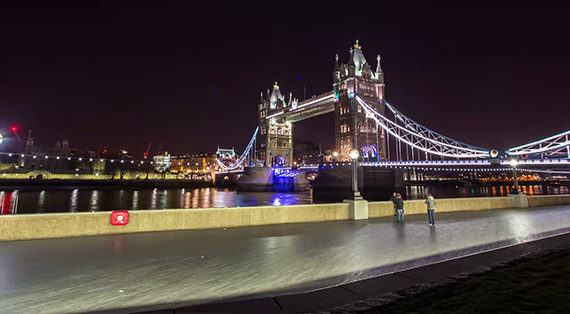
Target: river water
82	199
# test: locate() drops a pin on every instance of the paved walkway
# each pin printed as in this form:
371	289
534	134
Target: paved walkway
175	269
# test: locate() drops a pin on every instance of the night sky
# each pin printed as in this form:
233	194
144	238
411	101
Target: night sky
188	78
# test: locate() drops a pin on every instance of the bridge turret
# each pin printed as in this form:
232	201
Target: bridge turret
336	71
276	99
353	128
351	65
379	73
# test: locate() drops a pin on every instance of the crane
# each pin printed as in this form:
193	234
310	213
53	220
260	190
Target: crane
145	154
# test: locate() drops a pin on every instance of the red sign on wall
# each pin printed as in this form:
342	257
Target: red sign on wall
119	218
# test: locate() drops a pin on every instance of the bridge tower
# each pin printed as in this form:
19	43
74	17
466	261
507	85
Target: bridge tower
276	146
352	128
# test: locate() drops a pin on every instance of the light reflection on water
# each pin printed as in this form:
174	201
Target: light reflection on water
73	198
135	203
93	204
419	192
42	199
89	199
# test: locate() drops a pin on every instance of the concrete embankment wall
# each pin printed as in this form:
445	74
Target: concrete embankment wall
548	200
43	226
382	209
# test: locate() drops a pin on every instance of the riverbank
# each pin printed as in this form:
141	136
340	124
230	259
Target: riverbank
536	283
527	277
150	183
125	273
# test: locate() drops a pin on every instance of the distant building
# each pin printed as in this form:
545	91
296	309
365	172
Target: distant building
193	163
305	152
29	143
162	162
61	148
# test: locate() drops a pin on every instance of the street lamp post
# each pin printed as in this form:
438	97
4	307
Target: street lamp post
354	156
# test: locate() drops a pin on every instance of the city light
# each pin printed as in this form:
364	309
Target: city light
354	154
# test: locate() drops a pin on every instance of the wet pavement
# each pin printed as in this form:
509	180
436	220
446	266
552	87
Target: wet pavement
173	269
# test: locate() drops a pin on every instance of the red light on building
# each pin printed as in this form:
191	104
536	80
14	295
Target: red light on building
5	204
119	218
14	129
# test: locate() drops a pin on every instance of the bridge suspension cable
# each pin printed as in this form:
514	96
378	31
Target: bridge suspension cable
422	138
243	156
553	144
425	131
557	144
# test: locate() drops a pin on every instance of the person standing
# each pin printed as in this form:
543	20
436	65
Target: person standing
399	203
430	202
393	200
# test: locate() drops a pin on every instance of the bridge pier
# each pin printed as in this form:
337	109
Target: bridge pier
334	183
264	179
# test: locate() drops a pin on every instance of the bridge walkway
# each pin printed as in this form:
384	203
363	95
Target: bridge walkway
138	272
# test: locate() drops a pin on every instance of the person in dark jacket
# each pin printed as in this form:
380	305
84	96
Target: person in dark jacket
393	200
399	205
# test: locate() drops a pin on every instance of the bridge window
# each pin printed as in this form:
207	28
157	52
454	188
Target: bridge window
279	131
272	130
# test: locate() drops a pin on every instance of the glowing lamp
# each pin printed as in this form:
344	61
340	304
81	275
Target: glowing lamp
354	154
513	162
14	129
335	154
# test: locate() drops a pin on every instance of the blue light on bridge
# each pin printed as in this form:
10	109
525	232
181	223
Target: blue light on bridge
286	172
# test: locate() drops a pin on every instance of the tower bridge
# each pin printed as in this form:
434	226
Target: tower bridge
364	120
352	126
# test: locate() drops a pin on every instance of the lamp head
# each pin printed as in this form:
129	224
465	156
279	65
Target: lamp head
354	154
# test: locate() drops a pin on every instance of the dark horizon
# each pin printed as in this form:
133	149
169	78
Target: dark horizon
124	75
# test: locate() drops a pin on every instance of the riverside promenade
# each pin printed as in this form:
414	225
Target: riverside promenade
125	273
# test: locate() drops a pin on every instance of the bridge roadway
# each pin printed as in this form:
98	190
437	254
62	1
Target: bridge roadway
173	269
